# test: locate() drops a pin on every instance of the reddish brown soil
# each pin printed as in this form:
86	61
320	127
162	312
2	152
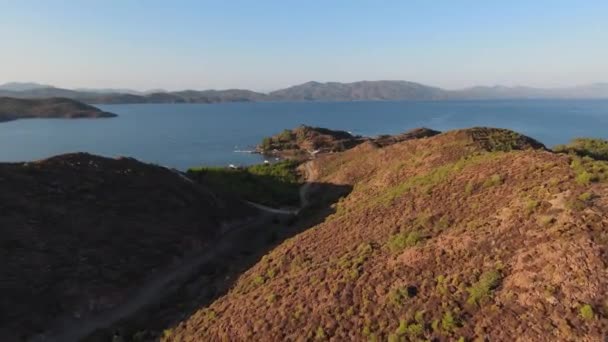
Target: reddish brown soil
470	212
79	232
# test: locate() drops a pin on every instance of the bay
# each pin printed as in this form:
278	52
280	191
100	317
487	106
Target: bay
185	135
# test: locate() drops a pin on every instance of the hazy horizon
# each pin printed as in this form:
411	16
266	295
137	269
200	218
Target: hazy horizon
272	45
271	90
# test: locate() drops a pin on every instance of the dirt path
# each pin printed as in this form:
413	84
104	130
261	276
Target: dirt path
310	175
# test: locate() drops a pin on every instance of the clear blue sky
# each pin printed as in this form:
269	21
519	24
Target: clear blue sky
264	44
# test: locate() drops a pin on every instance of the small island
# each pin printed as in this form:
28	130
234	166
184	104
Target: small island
13	109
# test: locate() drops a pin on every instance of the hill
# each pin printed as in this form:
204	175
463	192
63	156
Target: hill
477	234
364	90
81	235
12	109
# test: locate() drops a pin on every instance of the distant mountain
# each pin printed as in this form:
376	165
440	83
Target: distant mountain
110	91
592	91
358	91
310	91
22	86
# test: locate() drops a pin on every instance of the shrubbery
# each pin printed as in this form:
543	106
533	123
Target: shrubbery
482	289
586	147
270	184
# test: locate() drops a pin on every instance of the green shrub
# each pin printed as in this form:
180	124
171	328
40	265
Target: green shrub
584	178
585	197
589	147
258	280
495	180
415	330
419	316
398	296
271	298
531	205
270	184
546	220
352	261
468	189
449	322
402	329
589	171
320	334
482	289
167	333
504	141
441	285
402	240
286	135
586	312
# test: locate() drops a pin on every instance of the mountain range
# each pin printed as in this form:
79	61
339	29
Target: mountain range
310	91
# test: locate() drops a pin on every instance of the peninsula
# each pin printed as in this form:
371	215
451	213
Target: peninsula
14	108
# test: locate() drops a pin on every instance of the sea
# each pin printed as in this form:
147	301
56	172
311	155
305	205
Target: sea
186	135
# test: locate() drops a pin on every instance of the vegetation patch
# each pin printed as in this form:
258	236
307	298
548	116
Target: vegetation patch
494	180
270	184
398	296
530	206
402	240
585	147
352	262
449	321
586	312
588	170
426	182
482	289
504	140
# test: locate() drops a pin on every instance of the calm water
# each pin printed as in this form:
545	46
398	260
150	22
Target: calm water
184	135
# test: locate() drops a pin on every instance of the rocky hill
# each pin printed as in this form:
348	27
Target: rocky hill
304	141
469	235
80	233
12	109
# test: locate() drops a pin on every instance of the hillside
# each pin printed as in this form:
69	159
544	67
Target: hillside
80	233
12	109
469	235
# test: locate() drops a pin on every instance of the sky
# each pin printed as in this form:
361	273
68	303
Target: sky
266	44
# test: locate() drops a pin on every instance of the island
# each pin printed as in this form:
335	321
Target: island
57	107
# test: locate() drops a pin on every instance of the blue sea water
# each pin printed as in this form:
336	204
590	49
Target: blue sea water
185	135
